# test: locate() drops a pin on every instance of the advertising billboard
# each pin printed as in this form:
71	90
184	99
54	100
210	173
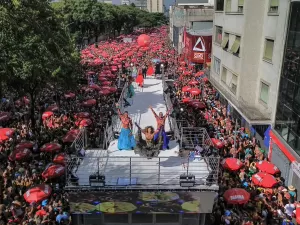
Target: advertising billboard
117	202
198	48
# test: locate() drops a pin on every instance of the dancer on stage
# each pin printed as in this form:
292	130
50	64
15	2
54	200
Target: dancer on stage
126	139
140	79
149	147
161	120
130	90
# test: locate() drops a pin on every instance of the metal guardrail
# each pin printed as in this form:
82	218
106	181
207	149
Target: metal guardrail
191	137
169	104
81	140
115	124
138	172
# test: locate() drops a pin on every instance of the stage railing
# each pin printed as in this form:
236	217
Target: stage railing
137	172
115	125
172	122
81	141
191	137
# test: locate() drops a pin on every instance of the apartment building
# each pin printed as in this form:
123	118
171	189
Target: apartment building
155	6
255	60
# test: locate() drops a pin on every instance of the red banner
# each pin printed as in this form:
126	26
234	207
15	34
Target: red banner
198	48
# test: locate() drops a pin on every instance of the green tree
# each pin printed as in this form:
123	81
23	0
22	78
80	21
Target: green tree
36	48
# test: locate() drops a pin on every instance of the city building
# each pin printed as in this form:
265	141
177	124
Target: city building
155	6
189	18
254	63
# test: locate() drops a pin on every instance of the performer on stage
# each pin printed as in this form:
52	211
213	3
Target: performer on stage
130	90
160	120
149	147
140	79
126	139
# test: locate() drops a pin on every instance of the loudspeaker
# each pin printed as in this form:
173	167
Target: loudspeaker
97	180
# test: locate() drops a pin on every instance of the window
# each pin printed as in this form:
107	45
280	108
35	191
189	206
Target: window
225	41
233	85
219	5
224	75
274	6
217	64
269	45
218	36
228	6
235	48
240	6
264	92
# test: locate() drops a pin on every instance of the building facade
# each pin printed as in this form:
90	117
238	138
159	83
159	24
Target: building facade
188	18
255	61
285	136
155	6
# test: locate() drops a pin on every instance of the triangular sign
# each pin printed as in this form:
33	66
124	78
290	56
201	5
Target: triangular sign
199	46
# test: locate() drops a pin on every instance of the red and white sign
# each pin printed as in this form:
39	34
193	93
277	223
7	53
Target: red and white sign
198	48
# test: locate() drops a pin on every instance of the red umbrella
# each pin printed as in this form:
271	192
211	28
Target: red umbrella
236	196
186	100
70	95
20	154
82	115
52	108
195	91
46	115
37	193
41	213
232	164
89	103
60	158
267	167
264	180
106	83
217	143
95	87
198	105
83	123
186	88
298	213
6	132
25	144
51	147
53	171
200	73
193	82
70	136
4	116
104	92
101	78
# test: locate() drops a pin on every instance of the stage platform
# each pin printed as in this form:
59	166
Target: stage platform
125	170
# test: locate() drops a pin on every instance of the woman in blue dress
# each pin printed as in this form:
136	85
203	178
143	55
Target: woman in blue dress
126	139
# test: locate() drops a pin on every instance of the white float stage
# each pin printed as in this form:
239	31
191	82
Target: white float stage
124	168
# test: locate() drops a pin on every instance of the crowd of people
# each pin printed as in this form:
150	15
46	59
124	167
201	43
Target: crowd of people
251	188
32	171
33	159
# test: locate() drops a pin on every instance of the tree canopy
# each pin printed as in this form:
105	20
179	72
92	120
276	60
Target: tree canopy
90	18
36	49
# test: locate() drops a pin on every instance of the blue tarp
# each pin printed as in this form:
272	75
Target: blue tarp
267	137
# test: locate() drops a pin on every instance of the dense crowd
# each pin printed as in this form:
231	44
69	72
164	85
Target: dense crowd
251	188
